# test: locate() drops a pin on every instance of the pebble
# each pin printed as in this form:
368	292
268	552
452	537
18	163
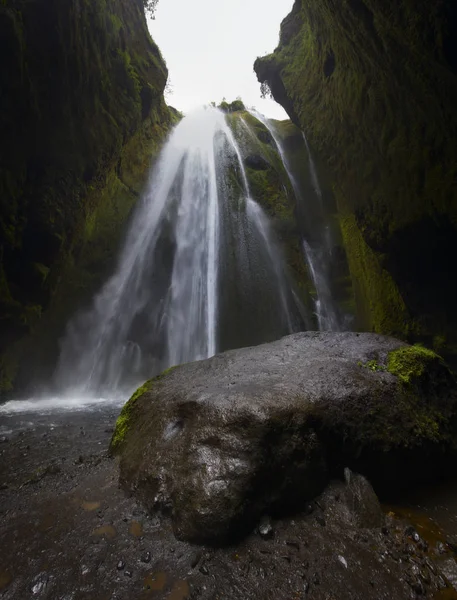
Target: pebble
412	533
430	565
39	584
425	576
128	573
266	530
196	559
146	558
441	548
204	569
120	565
343	561
321	520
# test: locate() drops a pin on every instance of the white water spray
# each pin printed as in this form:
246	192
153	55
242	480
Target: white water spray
199	271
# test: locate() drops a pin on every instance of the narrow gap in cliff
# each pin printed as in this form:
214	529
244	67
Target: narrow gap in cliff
329	65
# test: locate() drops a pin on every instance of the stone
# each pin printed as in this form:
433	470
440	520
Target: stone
258	430
265	529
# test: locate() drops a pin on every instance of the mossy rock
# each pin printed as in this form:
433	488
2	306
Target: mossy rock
124	420
374	86
220	442
235	106
411	363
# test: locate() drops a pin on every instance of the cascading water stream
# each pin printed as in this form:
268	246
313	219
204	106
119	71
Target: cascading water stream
317	253
199	271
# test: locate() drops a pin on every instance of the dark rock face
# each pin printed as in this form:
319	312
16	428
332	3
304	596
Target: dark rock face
256	162
81	113
373	85
270	187
220	442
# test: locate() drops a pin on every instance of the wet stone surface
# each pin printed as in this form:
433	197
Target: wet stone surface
219	443
68	532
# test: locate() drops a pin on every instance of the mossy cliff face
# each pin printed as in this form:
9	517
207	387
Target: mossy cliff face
81	114
270	186
297	209
374	87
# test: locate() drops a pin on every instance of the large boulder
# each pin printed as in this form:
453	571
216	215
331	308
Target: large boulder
220	442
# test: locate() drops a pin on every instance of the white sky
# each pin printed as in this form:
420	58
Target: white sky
210	47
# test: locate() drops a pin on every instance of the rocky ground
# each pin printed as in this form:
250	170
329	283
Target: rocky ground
67	531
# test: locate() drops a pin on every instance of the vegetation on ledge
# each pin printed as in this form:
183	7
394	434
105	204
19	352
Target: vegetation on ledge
235	106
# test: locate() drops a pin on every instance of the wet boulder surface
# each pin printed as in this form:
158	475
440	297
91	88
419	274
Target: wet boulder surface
217	444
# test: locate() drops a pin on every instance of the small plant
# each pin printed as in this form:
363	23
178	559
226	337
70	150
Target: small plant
372	365
150	7
265	91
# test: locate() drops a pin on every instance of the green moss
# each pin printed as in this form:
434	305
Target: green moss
271	188
235	106
124	419
373	365
409	363
379	305
116	23
373	86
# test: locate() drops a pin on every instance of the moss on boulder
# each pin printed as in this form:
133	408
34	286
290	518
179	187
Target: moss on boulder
124	420
410	363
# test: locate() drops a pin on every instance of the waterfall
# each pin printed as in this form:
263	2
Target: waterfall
317	251
199	271
313	170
